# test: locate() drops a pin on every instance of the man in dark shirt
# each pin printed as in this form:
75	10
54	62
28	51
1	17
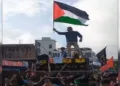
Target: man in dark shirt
63	52
71	38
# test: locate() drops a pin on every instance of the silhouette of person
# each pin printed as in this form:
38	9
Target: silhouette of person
71	38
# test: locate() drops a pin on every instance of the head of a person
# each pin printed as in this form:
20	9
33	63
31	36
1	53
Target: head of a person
69	29
62	49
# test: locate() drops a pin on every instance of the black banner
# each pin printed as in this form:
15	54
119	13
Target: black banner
102	56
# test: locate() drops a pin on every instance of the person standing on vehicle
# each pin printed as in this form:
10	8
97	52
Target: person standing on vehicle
71	37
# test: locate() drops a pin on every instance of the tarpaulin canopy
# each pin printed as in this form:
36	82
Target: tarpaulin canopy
12	63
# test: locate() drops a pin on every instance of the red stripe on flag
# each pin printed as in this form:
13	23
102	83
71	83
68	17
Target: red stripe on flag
110	62
104	68
58	12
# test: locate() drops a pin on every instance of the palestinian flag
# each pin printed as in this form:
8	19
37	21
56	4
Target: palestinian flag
67	14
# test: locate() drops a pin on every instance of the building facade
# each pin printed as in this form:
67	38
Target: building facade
45	46
18	51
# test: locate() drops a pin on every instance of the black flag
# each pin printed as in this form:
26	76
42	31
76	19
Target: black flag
102	56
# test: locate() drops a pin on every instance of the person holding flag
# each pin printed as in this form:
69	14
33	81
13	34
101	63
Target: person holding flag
63	13
71	37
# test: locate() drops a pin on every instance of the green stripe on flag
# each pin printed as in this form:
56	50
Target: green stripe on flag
66	19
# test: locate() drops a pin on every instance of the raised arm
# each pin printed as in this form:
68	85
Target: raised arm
60	33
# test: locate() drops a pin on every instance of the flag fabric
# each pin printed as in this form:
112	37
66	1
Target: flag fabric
102	56
67	14
104	68
109	64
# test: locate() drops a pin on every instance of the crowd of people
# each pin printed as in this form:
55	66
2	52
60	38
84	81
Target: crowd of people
49	79
32	78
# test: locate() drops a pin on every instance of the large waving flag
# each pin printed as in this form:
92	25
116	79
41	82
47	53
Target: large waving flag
67	14
110	64
102	56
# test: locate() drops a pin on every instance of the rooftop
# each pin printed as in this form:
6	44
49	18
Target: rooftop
47	38
17	45
81	48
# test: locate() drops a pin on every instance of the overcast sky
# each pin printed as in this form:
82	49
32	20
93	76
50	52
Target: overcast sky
27	20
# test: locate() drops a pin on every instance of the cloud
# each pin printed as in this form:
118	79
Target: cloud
13	36
28	11
68	1
58	45
12	33
7	40
26	7
25	36
23	39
